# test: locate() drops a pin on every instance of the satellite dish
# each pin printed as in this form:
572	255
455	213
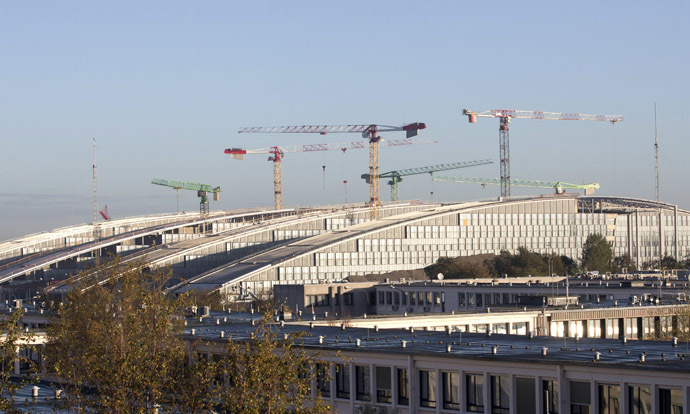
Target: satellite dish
439	276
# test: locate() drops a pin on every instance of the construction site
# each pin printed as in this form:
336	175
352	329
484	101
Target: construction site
251	250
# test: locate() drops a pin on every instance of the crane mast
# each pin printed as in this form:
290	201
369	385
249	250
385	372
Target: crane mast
368	131
505	115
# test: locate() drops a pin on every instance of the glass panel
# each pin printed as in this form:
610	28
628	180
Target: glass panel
383	385
342	381
403	386
580	397
475	392
500	394
362	382
670	401
609	399
427	388
323	380
451	390
550	396
639	400
525	389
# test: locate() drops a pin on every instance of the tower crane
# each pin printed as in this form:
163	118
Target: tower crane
368	131
559	186
278	152
397	175
202	190
505	116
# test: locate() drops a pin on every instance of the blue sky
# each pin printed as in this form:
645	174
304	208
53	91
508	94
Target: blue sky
164	86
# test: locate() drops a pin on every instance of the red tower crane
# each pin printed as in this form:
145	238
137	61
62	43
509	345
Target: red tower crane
369	131
505	115
278	152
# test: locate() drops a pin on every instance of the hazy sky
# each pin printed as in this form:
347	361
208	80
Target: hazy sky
164	86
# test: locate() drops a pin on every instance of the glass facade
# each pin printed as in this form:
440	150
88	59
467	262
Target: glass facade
545	226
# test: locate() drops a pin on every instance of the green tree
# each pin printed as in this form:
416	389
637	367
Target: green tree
623	262
12	337
670	263
459	268
596	254
269	374
120	339
118	347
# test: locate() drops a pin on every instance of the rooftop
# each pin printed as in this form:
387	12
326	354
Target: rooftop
658	355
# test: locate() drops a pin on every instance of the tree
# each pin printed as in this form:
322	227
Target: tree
670	263
120	339
459	268
11	339
268	374
596	254
117	347
624	262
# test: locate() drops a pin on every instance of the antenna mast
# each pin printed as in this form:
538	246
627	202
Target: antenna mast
95	185
656	155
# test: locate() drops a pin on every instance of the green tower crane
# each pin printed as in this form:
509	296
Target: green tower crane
559	186
202	190
396	176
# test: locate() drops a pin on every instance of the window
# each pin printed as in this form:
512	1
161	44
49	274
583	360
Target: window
323	380
342	381
362	383
475	392
580	397
670	401
526	403
461	299
609	399
427	388
500	394
382	298
403	386
639	400
550	396
451	390
383	385
348	299
317	300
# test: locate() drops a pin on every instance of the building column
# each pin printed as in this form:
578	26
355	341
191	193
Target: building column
661	236
17	366
42	360
563	391
412	384
637	239
675	233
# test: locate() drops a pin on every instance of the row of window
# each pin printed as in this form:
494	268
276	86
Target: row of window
443	388
292	234
473	219
454	232
413	298
632	328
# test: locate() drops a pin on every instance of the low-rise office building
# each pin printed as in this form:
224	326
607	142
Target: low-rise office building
399	371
